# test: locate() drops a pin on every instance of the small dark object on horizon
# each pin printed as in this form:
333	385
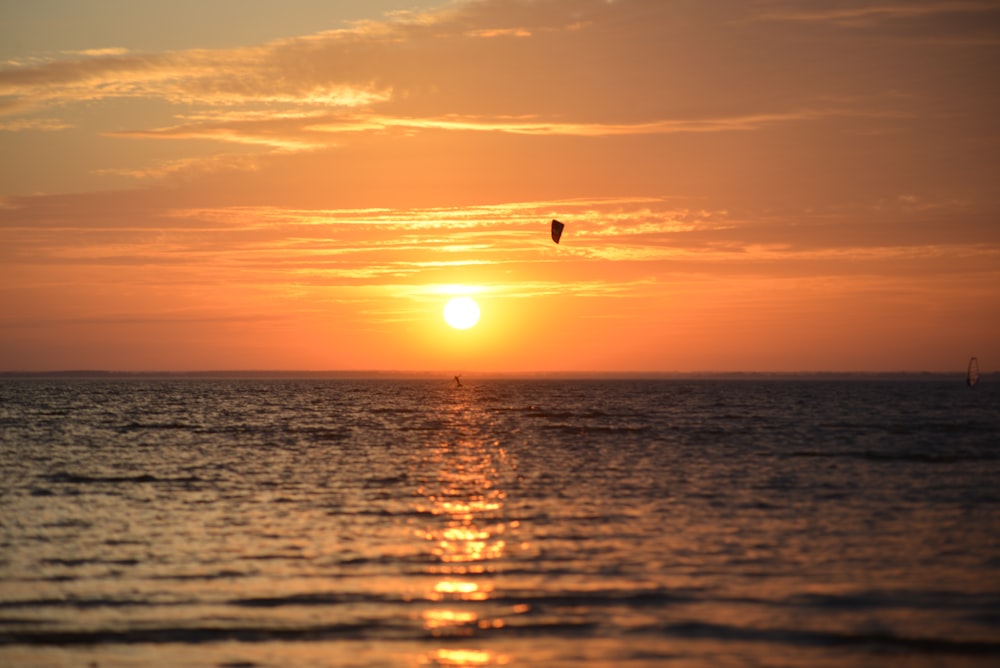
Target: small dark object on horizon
972	375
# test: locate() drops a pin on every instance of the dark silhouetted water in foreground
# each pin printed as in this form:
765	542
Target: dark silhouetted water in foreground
242	523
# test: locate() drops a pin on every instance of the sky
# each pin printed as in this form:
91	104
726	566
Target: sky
747	185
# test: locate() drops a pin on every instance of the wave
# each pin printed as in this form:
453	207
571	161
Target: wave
878	642
315	599
870	641
79	604
142	426
74	563
194	635
570	615
916	457
592	429
63	477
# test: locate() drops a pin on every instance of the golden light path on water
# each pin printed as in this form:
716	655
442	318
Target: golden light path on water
467	537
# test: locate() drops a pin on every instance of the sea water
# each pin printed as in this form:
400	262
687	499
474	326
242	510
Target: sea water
241	523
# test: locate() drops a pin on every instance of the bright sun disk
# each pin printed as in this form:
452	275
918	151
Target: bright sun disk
461	312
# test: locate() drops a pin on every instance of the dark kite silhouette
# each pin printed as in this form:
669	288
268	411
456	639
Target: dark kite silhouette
557	230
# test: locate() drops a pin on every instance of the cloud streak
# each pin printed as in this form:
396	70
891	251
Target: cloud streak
867	14
350	244
190	78
534	126
306	132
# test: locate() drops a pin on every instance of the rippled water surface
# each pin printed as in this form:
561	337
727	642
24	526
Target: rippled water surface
240	523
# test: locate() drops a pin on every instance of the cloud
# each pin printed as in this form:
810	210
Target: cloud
306	131
972	23
537	126
501	32
96	53
266	75
867	14
41	124
186	168
232	134
232	78
359	246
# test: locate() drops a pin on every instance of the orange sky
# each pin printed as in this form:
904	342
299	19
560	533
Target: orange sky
747	186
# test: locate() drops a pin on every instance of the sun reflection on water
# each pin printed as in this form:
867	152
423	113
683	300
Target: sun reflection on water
467	657
462	589
466	532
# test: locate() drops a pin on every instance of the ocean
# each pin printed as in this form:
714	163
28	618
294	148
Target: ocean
237	523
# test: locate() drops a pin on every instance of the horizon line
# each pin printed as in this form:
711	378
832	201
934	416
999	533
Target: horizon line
395	373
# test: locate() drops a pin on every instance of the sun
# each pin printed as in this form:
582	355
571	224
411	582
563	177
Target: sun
461	312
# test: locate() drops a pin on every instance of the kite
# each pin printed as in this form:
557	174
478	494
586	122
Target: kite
557	230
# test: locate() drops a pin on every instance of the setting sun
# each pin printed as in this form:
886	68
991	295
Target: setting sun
461	312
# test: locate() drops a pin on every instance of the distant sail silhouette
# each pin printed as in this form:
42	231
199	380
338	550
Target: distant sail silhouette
973	375
557	229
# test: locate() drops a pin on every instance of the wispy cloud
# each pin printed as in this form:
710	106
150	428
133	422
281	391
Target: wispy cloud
973	23
97	53
536	126
867	14
242	134
41	124
353	245
248	76
501	32
187	168
293	131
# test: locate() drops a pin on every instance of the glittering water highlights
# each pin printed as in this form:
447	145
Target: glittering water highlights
504	522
